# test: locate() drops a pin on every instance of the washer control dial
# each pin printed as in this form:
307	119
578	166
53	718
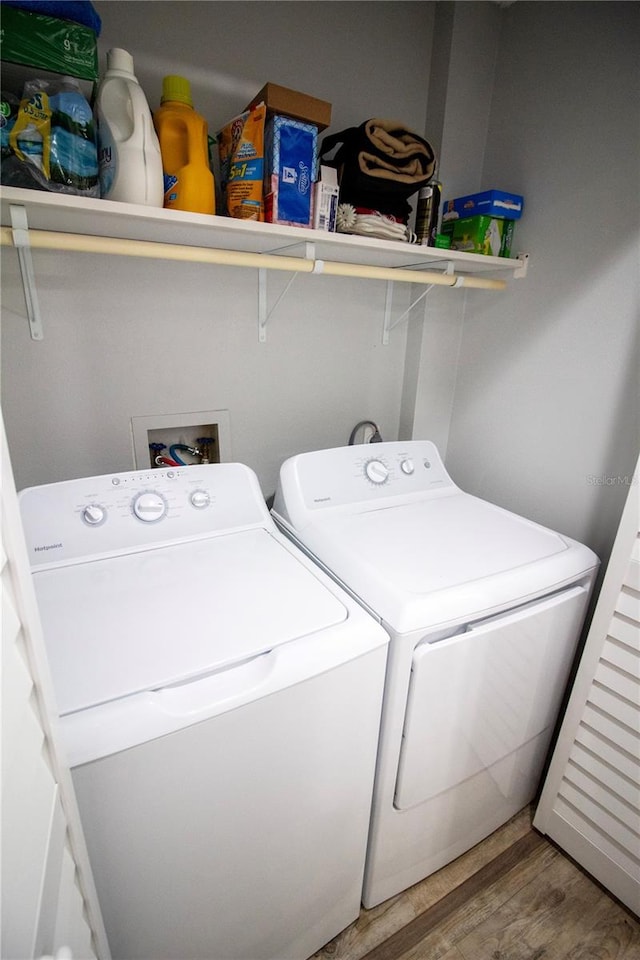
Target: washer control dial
200	499
94	514
407	466
376	471
149	506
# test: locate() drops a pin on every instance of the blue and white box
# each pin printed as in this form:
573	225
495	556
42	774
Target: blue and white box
326	194
491	203
291	150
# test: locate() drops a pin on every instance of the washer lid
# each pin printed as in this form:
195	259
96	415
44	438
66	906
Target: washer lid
138	622
450	557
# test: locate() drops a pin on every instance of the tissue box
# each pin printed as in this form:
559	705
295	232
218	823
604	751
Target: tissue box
45	45
493	203
492	236
280	101
290	160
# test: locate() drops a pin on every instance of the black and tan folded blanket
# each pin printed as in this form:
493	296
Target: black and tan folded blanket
380	165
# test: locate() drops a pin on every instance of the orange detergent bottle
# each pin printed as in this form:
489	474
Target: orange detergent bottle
188	181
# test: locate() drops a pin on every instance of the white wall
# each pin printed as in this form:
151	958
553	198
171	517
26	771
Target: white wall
546	411
466	45
465	51
126	339
367	59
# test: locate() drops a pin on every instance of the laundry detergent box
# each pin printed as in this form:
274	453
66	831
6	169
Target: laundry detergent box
493	203
291	149
242	169
492	236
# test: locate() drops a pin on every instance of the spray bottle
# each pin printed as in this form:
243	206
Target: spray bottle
427	212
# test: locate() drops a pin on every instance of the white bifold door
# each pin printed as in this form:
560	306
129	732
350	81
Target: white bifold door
49	902
590	804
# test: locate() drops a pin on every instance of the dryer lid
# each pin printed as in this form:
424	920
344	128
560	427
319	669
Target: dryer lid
433	560
435	544
137	622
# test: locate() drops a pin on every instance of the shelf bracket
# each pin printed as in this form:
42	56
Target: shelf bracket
390	325
264	314
449	267
20	232
306	248
522	270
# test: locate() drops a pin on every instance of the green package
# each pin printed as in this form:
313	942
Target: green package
491	236
46	43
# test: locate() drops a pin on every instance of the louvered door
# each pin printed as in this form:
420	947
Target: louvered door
48	898
590	804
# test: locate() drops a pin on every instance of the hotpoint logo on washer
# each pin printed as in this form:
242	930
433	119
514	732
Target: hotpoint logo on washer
47	546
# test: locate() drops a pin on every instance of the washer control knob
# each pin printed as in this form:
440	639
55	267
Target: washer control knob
94	514
407	466
376	471
200	499
149	506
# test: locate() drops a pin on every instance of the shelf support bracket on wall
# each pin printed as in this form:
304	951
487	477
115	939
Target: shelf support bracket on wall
522	271
388	301
20	232
390	325
448	266
264	314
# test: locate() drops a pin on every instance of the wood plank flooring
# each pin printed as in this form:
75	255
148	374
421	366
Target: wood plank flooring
513	897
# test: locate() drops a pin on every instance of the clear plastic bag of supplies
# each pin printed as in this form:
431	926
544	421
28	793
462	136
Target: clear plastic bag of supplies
52	142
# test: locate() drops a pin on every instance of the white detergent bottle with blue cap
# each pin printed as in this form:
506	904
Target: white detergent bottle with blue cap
128	147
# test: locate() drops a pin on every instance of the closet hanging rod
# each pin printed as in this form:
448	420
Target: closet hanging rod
81	243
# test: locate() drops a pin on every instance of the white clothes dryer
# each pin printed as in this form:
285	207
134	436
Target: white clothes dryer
484	609
220	700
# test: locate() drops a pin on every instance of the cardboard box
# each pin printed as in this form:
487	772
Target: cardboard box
289	103
290	151
493	203
32	44
492	236
325	199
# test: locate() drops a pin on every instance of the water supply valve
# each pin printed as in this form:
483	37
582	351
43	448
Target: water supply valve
159	460
204	444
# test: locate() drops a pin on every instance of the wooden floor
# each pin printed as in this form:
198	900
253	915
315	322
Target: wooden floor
513	897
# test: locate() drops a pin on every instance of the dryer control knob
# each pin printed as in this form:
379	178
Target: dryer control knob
94	514
200	499
376	471
149	507
407	466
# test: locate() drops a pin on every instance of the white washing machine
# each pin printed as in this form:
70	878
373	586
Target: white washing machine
484	609
220	702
